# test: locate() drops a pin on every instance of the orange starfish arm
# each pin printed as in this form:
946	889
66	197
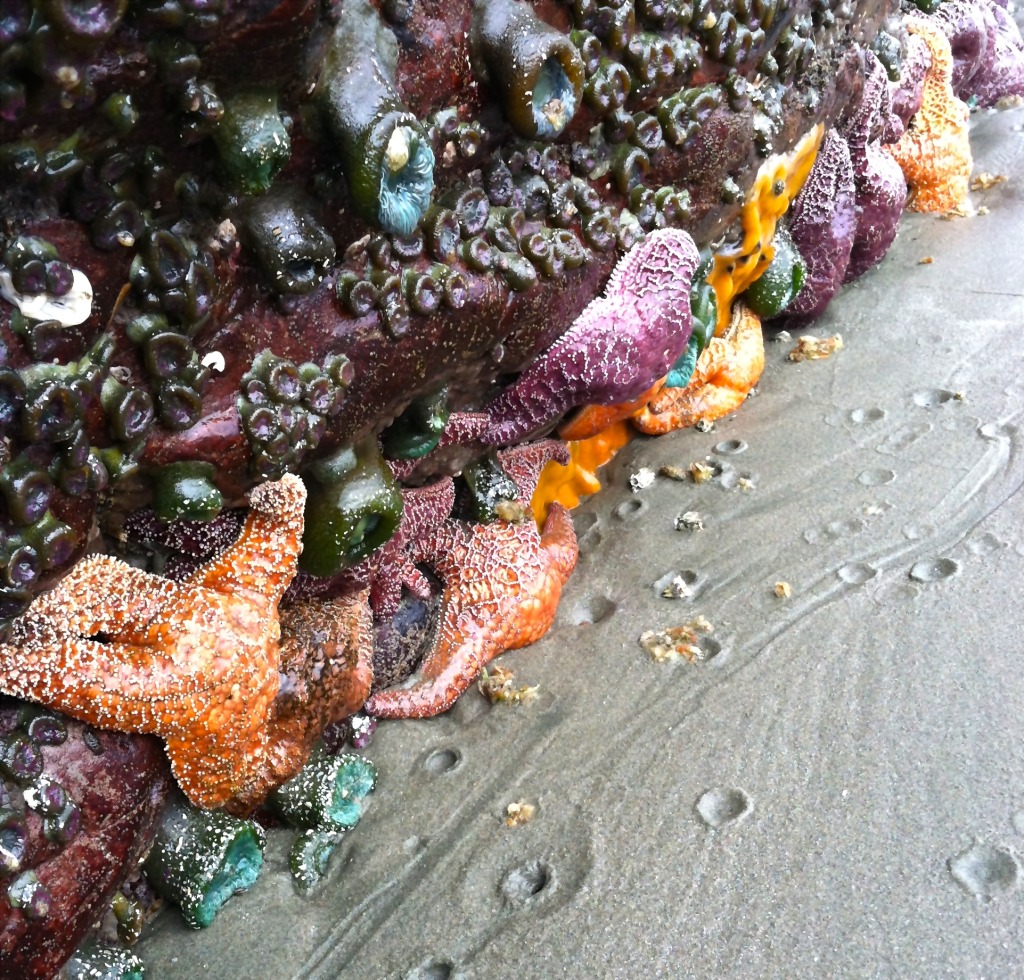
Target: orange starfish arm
102	594
935	151
725	372
265	557
110	685
502	596
594	419
558	539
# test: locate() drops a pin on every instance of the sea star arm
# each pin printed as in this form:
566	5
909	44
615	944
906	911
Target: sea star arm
111	685
618	346
102	594
467	640
558	539
726	371
264	559
326	673
502	596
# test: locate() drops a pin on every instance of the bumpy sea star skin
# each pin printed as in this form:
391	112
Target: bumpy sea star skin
823	223
726	371
934	153
194	662
617	348
423	511
1004	74
987	49
906	93
326	672
880	190
502	585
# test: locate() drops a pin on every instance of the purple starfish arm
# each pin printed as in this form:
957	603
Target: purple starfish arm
880	188
970	29
201	540
424	509
462	429
823	222
908	91
617	348
524	463
1001	74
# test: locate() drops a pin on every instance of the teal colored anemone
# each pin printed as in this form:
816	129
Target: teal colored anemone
200	858
384	151
536	70
554	99
406	181
682	370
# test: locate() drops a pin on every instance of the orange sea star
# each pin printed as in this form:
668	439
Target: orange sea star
935	153
726	371
326	672
195	662
502	584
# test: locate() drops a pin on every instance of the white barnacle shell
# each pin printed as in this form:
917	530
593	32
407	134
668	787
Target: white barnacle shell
69	310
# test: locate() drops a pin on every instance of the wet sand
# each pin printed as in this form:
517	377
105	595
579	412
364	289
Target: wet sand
837	788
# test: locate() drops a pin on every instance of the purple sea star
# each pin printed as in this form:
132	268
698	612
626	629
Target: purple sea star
909	90
823	222
525	463
617	348
462	429
392	566
988	52
880	189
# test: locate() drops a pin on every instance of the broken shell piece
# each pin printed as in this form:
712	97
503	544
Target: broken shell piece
815	348
677	589
984	180
670	644
214	361
641	479
783	590
702	472
689	520
69	310
674	472
496	684
516	814
704	425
